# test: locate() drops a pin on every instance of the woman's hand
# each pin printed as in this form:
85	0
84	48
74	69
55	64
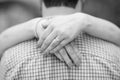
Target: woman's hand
69	54
60	31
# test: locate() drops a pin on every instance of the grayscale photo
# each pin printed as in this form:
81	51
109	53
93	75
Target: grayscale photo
59	39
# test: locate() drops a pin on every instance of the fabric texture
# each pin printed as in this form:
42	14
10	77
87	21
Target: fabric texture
100	60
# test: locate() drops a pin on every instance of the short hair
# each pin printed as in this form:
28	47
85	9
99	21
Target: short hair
66	3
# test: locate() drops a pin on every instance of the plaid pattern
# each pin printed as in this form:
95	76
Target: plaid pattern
100	61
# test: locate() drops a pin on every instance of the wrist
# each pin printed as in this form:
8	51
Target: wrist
33	26
84	21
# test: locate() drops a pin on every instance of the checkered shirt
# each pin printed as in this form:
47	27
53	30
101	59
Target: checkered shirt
100	60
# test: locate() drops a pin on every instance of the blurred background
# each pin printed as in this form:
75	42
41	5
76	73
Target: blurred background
13	12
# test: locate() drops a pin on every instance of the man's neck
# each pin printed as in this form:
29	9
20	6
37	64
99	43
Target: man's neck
62	10
58	11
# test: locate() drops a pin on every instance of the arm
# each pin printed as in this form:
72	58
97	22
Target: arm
25	31
102	29
17	34
64	29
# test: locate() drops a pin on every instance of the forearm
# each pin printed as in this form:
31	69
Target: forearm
102	29
17	34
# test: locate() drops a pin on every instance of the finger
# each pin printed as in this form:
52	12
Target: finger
61	45
44	35
48	41
54	43
77	51
58	55
66	57
73	54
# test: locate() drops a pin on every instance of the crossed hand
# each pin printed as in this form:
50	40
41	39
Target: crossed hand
56	35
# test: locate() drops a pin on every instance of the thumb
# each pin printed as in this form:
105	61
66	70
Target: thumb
45	23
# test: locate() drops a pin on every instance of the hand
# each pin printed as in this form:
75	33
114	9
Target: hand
70	55
64	57
41	25
60	31
73	53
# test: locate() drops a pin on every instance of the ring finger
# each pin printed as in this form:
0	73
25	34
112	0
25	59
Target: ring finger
54	43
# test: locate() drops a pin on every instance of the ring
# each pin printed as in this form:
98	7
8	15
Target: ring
56	42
